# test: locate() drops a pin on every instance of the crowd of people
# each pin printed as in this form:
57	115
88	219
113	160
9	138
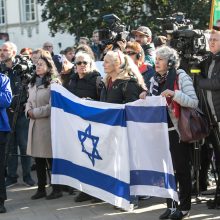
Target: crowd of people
132	70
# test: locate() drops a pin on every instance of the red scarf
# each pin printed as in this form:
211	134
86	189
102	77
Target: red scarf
174	105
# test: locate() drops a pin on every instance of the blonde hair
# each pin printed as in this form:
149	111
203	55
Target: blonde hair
128	68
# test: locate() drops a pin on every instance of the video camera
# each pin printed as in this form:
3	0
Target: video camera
24	68
112	31
187	41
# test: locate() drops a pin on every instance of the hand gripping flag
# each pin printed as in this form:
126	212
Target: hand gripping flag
90	147
108	150
150	159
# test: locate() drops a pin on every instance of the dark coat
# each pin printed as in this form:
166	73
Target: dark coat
212	84
85	87
121	92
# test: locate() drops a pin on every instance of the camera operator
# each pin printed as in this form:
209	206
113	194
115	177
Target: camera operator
209	81
20	132
5	100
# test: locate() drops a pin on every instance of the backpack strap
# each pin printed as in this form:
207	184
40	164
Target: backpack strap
98	85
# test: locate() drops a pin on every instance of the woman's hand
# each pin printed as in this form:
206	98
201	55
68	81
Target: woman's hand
30	113
143	95
168	93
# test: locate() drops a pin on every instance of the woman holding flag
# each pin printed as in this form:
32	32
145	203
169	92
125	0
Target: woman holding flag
178	89
123	81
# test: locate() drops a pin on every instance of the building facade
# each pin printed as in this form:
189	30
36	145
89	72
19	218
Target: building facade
21	19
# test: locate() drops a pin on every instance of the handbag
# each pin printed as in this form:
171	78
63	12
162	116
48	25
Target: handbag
193	124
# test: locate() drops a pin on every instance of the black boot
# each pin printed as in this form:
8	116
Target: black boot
83	197
166	214
54	195
56	192
2	208
39	194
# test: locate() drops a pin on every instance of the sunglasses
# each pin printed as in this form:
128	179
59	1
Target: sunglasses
81	62
130	53
48	46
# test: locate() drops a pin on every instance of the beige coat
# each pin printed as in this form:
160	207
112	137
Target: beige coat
39	134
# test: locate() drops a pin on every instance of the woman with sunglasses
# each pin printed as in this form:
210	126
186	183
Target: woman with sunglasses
85	81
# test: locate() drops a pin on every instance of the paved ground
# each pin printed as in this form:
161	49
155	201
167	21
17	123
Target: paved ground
21	207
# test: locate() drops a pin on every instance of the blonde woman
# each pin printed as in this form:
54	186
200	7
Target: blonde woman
123	81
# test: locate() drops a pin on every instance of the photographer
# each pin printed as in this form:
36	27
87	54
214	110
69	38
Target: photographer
5	100
19	138
209	81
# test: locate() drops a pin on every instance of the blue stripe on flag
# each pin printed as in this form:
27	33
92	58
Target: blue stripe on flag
92	177
114	117
145	114
153	178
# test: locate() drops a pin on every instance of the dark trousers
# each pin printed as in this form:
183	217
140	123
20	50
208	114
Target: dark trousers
19	139
180	153
41	168
3	139
206	157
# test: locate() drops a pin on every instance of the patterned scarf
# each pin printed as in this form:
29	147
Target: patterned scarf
158	80
167	81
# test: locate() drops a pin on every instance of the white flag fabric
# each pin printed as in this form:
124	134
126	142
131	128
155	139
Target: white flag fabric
90	147
150	160
111	151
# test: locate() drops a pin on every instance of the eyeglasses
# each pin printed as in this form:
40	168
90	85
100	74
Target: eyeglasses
48	46
130	53
81	62
213	39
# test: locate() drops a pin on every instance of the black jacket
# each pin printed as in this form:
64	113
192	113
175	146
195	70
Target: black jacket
212	84
85	87
121	92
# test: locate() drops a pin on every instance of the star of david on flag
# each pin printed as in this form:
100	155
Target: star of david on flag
108	150
83	137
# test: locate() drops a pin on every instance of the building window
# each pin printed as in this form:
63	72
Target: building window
30	10
2	12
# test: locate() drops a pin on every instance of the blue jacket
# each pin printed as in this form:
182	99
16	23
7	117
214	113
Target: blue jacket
5	101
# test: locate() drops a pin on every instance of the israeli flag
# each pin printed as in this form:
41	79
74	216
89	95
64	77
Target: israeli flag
90	147
150	160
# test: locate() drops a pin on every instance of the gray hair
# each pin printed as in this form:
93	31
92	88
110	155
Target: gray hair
87	57
12	46
169	54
